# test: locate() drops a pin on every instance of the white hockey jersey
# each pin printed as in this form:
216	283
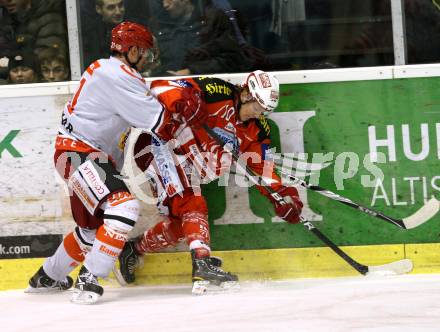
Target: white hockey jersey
111	98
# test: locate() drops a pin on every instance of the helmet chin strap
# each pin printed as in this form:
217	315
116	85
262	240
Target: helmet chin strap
132	64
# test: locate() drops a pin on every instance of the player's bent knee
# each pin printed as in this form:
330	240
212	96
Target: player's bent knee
121	212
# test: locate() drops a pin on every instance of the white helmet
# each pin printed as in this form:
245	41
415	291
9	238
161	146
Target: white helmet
264	88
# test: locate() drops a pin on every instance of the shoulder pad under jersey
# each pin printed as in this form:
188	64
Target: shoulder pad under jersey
216	89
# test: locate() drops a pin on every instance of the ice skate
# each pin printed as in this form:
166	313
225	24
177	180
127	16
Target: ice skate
42	283
205	273
129	260
87	289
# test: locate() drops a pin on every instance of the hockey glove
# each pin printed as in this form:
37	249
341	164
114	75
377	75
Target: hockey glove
291	211
192	107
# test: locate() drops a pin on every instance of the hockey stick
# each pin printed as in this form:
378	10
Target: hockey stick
422	215
397	267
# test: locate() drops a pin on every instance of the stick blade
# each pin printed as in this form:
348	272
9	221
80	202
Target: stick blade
395	268
422	215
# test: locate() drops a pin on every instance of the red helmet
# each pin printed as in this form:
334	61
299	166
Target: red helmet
128	34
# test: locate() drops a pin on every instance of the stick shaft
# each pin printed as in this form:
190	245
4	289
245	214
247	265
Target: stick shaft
363	269
344	200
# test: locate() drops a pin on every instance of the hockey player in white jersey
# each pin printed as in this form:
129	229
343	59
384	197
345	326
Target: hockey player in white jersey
112	96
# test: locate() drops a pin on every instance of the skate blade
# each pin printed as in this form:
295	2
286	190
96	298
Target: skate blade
43	290
84	297
202	287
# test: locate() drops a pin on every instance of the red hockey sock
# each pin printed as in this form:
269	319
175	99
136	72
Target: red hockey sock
163	235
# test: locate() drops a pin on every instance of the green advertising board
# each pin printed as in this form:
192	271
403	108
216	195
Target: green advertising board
389	127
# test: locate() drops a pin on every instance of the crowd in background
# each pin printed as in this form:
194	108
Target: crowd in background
216	36
33	41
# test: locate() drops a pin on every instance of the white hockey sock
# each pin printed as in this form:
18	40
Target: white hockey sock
60	264
197	244
101	258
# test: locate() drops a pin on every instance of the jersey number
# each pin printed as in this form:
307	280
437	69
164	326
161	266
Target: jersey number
95	65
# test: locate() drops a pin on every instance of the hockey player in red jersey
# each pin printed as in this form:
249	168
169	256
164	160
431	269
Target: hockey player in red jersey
112	96
236	114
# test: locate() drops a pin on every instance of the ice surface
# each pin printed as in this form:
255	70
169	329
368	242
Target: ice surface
397	303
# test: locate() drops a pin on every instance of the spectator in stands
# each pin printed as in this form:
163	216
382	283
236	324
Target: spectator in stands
196	39
23	68
422	32
54	66
38	24
97	32
7	41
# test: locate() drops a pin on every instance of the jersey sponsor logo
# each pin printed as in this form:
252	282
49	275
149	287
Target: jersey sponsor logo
265	125
119	198
98	185
166	167
115	235
183	83
227	137
265	80
214	88
107	251
6	144
161	162
88	202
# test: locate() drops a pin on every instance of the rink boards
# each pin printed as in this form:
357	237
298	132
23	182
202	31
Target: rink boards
251	265
346	118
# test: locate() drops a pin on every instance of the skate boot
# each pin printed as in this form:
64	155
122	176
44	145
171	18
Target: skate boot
216	261
42	283
87	289
205	274
129	260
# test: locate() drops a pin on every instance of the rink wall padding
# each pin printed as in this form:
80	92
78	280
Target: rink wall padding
250	265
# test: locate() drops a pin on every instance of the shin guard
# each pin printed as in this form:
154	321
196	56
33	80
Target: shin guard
120	216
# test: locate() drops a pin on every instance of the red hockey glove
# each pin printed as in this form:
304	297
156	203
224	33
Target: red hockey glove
291	211
192	107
